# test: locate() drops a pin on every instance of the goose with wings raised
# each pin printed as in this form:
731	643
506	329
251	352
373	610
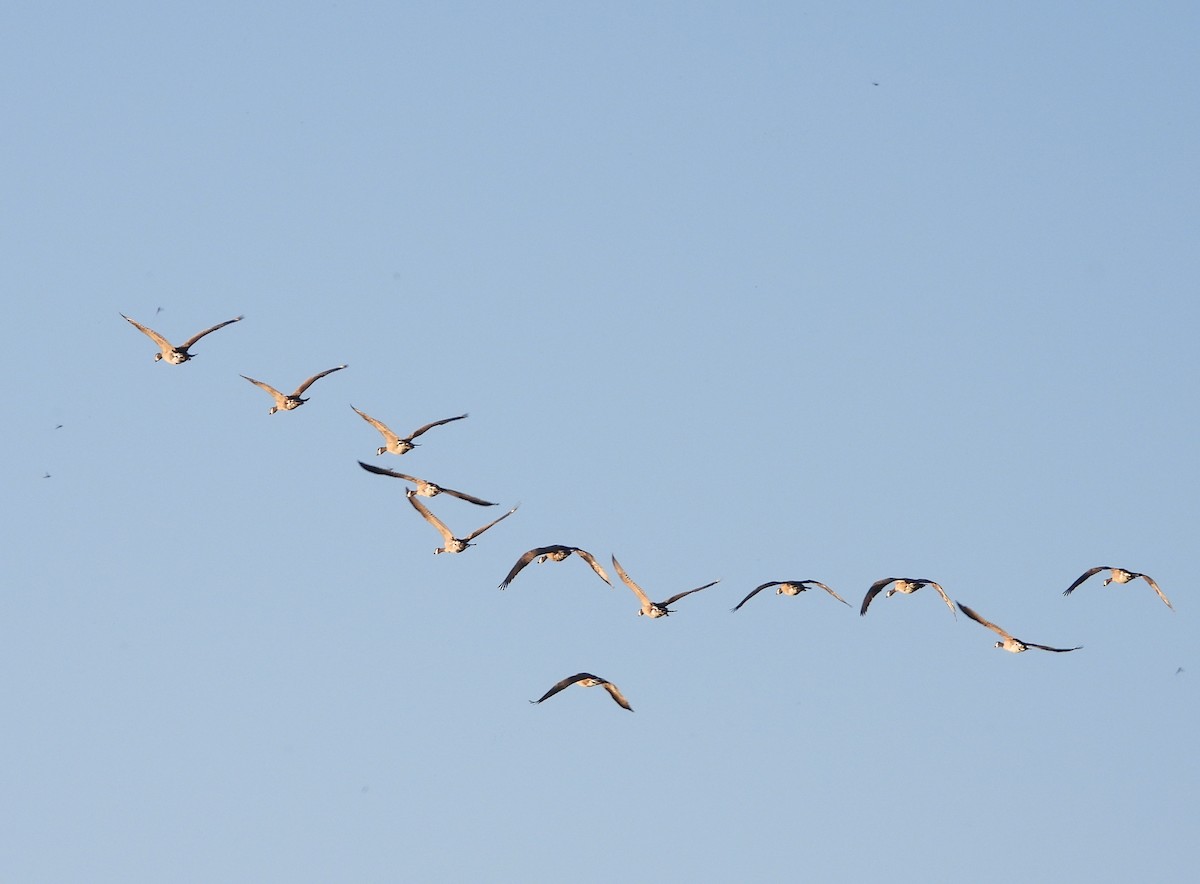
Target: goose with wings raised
292	400
450	543
1008	642
167	350
393	442
649	608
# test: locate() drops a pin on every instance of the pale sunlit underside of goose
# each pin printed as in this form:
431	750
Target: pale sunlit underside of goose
394	443
1008	642
450	543
169	352
287	402
904	586
649	608
425	488
1118	575
554	553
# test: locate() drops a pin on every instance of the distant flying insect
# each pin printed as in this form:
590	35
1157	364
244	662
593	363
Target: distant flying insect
904	586
1118	575
293	400
394	443
168	351
450	543
588	681
789	587
554	553
1010	644
424	488
649	608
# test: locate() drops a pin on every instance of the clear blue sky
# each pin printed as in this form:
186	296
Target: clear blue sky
740	291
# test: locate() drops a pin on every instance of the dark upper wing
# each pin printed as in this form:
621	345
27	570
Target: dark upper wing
469	498
197	337
565	683
992	626
755	592
1048	648
430	426
316	378
525	559
680	595
1084	576
875	589
371	468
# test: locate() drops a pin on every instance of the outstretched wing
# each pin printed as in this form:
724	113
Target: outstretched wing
992	626
162	342
479	531
469	498
383	428
875	589
381	471
275	394
828	589
447	534
616	694
207	331
315	378
1048	648
591	560
525	559
1154	586
942	593
755	592
680	595
637	590
430	426
1084	576
565	683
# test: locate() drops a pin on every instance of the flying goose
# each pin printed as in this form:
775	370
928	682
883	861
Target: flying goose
1010	644
789	587
554	553
287	403
904	586
451	544
395	444
175	355
649	608
424	488
1118	575
588	681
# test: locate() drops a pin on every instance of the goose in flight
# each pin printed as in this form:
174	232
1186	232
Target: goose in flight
394	443
588	681
1118	575
424	488
1010	644
450	543
287	403
790	587
904	586
168	351
554	553
649	608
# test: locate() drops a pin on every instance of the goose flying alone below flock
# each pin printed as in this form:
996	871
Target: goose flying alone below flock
425	488
393	442
1118	575
789	587
167	350
293	400
588	681
554	553
1008	643
904	586
450	543
649	608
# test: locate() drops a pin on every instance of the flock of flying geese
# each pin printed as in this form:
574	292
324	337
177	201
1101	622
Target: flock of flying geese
399	445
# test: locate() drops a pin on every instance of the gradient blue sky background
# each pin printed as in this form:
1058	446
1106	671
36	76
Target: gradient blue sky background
717	303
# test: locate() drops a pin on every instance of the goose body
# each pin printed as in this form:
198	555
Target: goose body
904	586
1118	575
292	400
588	681
654	609
789	587
450	543
425	488
168	351
1007	641
555	553
393	442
